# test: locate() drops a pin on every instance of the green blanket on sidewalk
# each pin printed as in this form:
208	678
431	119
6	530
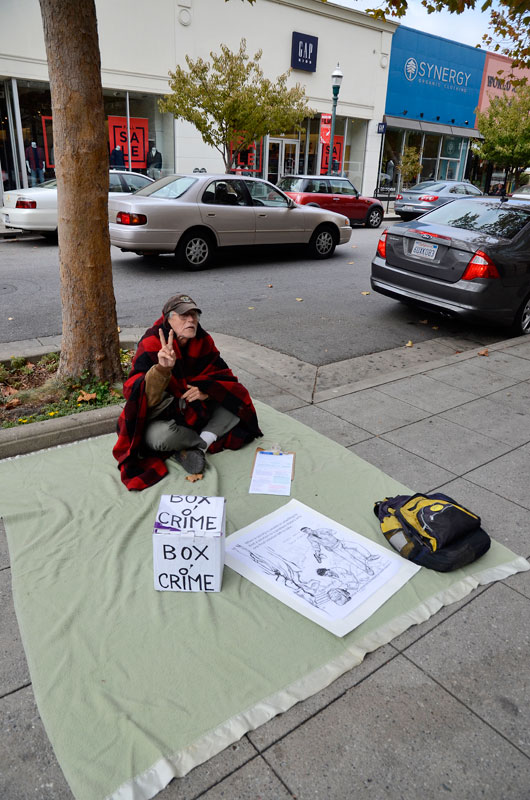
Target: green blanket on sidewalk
136	686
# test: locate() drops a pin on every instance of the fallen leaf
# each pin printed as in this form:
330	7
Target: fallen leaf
10	317
351	262
458	351
12	403
409	343
365	293
197	476
85	397
423	321
269	286
435	327
30	366
299	299
484	352
251	308
119	329
8	390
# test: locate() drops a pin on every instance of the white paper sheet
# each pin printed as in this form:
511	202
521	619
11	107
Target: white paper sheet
323	570
272	473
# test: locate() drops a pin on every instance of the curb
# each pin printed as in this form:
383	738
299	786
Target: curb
21	440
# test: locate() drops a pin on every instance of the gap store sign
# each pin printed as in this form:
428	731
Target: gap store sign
433	79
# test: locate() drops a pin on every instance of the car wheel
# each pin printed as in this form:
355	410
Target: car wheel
521	323
195	250
374	218
323	242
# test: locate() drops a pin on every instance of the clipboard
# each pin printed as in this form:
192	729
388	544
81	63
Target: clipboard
263	450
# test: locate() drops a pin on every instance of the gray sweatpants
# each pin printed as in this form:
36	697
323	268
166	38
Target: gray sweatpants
166	434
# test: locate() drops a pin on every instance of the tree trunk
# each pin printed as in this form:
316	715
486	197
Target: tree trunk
90	334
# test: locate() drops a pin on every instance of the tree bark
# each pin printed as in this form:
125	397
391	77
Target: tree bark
90	334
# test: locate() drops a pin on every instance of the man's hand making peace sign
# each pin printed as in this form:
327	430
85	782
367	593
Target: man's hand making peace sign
167	358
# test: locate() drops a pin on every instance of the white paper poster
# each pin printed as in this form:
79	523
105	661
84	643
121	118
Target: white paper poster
323	570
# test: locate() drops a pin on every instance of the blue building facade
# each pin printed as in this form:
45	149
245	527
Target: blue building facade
433	90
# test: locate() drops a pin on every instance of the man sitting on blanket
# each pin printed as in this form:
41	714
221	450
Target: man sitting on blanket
182	400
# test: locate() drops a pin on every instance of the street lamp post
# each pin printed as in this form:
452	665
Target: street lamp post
336	80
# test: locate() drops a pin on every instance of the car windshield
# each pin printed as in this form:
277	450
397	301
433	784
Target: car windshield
170	187
291	184
494	219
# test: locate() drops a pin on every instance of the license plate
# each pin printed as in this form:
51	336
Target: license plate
408	208
425	250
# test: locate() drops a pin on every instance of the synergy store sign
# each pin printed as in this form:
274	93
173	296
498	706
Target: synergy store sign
433	79
435	74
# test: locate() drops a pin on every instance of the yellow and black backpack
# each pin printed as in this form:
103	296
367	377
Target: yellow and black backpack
432	530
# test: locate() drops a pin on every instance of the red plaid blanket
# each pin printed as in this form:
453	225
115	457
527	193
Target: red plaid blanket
199	364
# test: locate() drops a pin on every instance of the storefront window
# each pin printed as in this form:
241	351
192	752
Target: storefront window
391	157
354	151
7	138
431	148
450	158
150	135
35	113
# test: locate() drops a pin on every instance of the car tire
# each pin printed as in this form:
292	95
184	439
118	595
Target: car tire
323	242
521	323
374	217
195	250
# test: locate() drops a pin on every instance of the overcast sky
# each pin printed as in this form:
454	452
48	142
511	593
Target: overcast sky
467	27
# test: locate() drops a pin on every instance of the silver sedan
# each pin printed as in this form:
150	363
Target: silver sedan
425	196
192	215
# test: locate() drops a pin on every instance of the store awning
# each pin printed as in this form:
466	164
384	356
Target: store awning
403	122
431	127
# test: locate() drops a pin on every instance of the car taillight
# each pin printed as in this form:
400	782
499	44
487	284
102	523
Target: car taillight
381	244
125	218
480	266
399	197
428	198
26	204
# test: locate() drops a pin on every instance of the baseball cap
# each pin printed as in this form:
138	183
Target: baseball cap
180	303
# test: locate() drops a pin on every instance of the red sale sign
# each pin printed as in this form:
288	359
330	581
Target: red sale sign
325	128
139	132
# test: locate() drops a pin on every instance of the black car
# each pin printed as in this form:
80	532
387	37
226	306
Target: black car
468	258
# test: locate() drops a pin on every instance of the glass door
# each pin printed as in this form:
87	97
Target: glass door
283	158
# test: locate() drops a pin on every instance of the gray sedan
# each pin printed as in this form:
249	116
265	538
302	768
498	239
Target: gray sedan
425	196
469	258
192	215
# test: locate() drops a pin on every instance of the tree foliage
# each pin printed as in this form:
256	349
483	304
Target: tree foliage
509	22
410	164
230	101
505	126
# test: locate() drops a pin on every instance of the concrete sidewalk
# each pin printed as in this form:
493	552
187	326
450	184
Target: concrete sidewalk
442	710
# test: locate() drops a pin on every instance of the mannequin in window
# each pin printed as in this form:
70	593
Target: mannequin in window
35	163
153	161
117	161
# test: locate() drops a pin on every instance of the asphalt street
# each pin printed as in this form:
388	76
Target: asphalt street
320	312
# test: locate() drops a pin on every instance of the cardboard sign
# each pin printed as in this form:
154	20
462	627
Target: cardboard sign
189	543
